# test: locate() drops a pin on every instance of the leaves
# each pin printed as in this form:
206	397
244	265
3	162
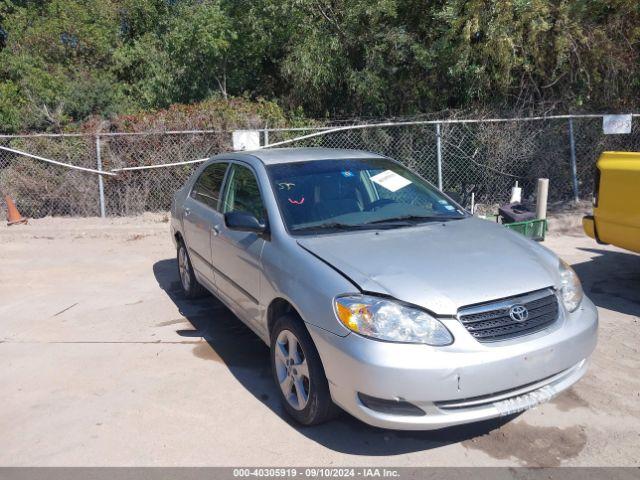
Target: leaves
62	61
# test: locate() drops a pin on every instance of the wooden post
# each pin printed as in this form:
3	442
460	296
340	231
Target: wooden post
541	198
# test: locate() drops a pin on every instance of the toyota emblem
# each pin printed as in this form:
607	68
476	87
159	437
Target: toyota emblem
519	313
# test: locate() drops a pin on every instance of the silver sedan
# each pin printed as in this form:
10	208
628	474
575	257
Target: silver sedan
376	292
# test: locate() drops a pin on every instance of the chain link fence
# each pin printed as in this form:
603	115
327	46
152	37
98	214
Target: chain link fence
42	189
480	157
487	157
151	189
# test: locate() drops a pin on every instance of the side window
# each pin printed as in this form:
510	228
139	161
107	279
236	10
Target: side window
207	187
242	193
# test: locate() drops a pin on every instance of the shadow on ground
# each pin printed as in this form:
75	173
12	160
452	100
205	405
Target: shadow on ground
247	358
612	280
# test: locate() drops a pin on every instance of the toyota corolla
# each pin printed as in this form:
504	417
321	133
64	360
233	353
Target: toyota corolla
377	293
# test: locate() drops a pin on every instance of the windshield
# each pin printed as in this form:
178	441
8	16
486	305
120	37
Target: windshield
325	195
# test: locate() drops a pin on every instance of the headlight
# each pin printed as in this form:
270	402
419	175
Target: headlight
387	320
570	289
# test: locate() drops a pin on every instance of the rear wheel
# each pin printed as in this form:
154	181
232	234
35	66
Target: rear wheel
298	373
190	285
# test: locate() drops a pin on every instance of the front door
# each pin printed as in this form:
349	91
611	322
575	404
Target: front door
236	255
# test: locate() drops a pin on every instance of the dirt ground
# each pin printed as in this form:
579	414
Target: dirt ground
103	363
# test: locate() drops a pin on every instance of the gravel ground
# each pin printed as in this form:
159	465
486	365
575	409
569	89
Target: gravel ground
103	363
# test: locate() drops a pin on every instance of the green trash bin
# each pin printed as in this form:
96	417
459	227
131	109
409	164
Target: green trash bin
533	229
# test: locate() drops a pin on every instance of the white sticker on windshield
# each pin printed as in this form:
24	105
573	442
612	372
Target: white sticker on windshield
390	180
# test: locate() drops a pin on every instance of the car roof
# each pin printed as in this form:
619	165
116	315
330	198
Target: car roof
271	156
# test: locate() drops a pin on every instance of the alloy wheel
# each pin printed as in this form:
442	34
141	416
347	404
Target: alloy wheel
292	370
183	267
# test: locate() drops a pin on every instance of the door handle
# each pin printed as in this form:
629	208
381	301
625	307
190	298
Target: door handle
215	230
187	211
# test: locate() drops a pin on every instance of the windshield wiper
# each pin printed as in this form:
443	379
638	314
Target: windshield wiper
328	226
402	220
406	218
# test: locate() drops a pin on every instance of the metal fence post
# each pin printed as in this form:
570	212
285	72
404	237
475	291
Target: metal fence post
100	180
266	137
574	169
439	151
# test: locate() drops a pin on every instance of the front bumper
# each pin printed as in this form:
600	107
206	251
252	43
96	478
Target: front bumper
465	382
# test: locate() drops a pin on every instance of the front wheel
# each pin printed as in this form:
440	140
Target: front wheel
298	372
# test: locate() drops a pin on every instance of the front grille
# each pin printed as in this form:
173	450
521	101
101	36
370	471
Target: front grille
491	321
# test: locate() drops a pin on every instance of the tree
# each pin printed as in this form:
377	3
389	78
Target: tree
183	57
349	56
62	61
55	61
198	42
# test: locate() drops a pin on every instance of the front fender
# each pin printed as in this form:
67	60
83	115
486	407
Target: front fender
306	282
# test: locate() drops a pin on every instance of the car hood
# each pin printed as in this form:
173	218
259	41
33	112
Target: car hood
439	266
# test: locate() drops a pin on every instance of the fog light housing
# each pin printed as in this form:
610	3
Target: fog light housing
390	407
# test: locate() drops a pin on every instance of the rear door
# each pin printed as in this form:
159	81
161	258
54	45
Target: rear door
200	214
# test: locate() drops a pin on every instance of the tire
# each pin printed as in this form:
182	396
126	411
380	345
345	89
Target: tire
289	374
191	288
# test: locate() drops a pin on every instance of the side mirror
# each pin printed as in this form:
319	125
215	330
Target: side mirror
244	222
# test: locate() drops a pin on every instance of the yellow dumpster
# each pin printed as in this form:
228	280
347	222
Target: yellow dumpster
616	212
